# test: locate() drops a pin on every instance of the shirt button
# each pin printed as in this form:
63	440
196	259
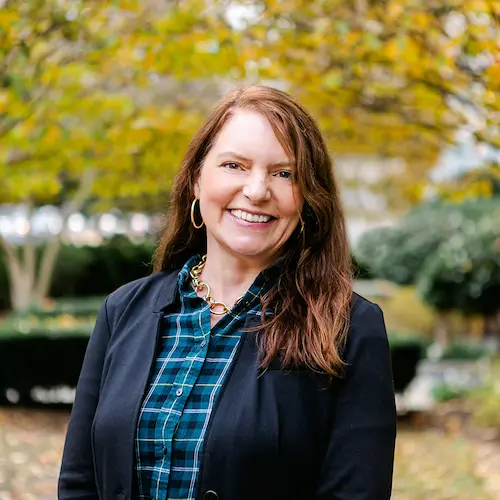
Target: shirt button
165	450
203	343
210	495
179	392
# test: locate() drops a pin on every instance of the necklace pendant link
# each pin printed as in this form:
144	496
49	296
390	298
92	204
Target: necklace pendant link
198	285
214	305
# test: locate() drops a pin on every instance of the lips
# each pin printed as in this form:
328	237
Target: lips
250	216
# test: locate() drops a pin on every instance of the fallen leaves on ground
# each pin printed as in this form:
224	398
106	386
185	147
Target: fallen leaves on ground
429	465
432	466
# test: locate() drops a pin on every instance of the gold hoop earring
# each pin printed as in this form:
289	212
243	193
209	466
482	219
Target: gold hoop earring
193	205
302	224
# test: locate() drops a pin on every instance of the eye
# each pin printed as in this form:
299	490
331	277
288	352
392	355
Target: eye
284	174
231	165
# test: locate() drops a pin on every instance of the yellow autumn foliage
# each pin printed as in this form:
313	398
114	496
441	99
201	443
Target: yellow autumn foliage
120	86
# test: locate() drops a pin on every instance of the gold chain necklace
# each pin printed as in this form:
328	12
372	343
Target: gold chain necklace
215	305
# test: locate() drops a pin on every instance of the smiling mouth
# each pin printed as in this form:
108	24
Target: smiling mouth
248	217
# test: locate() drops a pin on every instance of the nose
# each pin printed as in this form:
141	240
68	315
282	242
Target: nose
256	188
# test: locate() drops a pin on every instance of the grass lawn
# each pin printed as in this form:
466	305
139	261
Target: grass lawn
431	466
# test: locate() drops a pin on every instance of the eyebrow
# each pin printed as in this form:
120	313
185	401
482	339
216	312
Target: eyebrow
286	163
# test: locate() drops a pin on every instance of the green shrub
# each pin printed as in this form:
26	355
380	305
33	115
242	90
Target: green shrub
100	270
465	351
360	269
92	271
445	392
465	273
58	326
486	405
398	340
406	354
405	312
485	400
448	251
85	306
97	271
63	317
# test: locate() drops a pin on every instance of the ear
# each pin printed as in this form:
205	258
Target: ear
197	189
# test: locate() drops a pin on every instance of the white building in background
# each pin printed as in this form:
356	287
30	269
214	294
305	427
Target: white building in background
364	208
463	157
78	229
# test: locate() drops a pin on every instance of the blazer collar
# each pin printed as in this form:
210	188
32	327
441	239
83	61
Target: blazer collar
166	291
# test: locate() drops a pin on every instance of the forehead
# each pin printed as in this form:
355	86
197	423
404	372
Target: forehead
250	134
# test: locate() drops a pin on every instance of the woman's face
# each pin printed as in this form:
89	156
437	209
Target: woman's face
248	199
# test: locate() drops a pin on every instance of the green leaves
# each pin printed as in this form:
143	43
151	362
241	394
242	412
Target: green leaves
378	76
390	68
450	252
81	86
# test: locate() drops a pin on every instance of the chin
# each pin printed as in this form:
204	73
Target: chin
247	249
249	252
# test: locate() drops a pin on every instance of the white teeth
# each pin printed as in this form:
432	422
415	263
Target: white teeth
239	214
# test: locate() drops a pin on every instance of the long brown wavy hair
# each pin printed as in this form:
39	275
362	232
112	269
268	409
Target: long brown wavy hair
311	299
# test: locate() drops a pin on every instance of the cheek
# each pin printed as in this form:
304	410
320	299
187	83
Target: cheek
216	195
217	198
291	204
210	189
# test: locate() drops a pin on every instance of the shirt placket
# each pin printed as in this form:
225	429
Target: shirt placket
175	402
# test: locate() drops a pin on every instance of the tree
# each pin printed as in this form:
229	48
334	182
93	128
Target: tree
94	93
386	77
91	105
399	253
450	252
464	274
481	182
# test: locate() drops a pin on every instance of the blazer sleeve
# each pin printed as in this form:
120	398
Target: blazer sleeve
76	478
359	460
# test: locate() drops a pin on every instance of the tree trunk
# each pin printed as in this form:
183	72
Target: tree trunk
442	331
27	284
20	282
47	268
491	332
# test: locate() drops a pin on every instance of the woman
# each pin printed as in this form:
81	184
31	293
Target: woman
244	367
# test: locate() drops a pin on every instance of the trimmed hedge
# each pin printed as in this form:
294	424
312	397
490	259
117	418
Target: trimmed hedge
450	252
54	358
97	271
92	271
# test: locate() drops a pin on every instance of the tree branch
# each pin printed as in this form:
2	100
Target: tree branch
82	193
30	251
8	125
53	247
12	258
14	270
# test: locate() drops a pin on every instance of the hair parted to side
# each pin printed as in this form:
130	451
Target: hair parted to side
312	298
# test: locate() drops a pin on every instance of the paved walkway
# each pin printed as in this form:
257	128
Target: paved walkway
429	465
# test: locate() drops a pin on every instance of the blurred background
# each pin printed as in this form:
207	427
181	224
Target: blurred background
98	100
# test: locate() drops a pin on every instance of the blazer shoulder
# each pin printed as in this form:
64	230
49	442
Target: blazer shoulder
145	291
367	319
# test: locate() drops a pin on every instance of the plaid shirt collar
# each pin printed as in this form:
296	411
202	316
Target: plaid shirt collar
263	282
174	281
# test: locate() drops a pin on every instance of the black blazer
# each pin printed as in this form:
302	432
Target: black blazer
277	435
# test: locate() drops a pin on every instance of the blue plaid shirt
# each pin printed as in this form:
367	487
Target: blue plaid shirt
191	366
